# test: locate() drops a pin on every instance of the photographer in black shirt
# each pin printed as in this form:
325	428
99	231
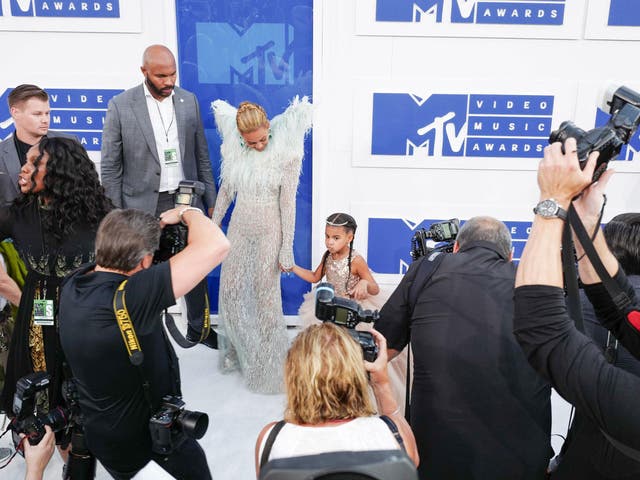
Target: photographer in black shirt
574	364
115	404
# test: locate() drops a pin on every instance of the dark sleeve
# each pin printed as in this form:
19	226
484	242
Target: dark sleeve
610	317
395	315
147	294
573	363
203	163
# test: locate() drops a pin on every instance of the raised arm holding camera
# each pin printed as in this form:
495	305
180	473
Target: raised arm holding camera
129	392
572	362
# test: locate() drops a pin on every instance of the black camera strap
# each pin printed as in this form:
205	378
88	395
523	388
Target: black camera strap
130	339
179	338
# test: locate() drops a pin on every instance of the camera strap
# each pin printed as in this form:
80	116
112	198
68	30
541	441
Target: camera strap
130	339
179	338
619	297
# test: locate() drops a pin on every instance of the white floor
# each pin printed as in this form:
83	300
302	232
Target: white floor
236	416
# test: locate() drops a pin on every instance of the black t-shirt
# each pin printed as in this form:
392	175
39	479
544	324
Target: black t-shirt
478	410
109	387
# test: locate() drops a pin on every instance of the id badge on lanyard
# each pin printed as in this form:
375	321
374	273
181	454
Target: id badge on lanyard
43	312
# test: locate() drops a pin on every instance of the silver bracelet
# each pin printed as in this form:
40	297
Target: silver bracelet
186	209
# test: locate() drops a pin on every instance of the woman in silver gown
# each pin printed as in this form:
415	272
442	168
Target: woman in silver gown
261	163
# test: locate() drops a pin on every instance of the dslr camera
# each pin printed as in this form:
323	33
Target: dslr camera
171	425
445	231
346	313
30	418
174	237
609	139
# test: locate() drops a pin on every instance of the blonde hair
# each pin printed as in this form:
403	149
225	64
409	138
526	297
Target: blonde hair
251	117
325	378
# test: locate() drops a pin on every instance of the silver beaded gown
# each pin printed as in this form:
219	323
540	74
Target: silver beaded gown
263	185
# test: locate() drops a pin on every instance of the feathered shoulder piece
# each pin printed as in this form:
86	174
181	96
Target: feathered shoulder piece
245	167
289	129
225	116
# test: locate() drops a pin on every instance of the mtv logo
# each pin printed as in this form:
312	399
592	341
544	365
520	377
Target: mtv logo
407	124
426	11
518	12
62	8
628	152
624	13
389	243
258	55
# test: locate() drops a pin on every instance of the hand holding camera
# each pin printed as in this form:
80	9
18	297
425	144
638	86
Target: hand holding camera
560	175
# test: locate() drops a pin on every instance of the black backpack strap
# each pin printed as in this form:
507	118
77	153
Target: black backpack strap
394	429
266	451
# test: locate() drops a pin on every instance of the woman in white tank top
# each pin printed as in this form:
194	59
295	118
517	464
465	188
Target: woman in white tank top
329	408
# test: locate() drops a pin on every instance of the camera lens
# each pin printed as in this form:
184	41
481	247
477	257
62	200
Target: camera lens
57	419
194	424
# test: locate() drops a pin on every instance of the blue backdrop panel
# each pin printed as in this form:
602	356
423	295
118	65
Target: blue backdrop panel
389	244
257	51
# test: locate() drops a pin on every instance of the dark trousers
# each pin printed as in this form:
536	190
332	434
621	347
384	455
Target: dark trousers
196	299
188	462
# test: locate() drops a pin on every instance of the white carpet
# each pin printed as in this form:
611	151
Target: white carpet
236	416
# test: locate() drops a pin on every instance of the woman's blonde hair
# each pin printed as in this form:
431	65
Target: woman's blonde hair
251	117
325	378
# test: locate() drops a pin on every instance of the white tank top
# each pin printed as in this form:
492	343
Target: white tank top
359	434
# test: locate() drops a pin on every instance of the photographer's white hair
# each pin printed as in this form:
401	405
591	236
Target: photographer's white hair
487	229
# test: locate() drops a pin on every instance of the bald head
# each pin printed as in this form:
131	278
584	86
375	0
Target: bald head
487	229
159	70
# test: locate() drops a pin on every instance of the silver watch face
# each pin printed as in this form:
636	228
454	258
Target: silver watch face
547	208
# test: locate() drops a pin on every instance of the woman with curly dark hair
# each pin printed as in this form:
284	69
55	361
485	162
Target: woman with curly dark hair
53	223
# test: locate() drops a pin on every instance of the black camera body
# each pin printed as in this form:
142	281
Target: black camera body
609	139
346	313
445	231
29	418
171	425
174	237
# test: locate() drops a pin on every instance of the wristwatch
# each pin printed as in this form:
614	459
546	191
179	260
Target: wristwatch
549	208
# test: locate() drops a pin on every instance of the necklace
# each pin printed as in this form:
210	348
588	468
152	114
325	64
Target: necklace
173	116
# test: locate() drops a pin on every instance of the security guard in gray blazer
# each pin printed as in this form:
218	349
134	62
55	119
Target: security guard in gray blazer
152	138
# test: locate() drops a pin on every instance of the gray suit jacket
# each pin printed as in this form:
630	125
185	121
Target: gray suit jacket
10	167
130	167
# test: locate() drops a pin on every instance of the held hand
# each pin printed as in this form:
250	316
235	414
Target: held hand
37	456
360	291
283	269
559	174
378	369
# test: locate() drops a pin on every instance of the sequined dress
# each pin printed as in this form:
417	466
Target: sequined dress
337	273
263	185
33	347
